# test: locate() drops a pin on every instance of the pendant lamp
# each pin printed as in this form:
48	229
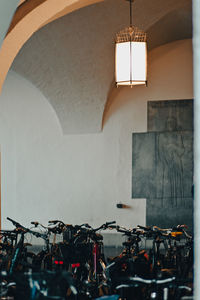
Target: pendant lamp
131	56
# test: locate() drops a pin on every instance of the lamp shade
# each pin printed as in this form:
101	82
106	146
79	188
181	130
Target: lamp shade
131	57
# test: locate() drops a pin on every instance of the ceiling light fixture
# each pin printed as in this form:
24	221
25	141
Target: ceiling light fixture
131	55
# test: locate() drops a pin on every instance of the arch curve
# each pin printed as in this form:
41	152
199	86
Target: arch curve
75	77
30	17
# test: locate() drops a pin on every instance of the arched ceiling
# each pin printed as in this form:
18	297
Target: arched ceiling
29	17
71	60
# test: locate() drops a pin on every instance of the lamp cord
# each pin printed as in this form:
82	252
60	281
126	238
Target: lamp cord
131	23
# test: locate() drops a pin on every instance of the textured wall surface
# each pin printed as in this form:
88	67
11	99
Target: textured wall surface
163	163
80	178
170	115
71	60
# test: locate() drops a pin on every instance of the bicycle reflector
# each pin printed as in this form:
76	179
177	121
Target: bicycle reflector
76	265
58	262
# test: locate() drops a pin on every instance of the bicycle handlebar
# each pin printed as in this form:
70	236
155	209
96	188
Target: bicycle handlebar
128	232
110	223
56	221
18	225
137	280
150	281
35	223
148	228
104	226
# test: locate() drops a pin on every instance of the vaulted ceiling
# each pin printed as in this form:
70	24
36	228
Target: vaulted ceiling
71	58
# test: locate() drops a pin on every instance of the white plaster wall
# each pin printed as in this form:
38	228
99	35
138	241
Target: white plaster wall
46	175
80	178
